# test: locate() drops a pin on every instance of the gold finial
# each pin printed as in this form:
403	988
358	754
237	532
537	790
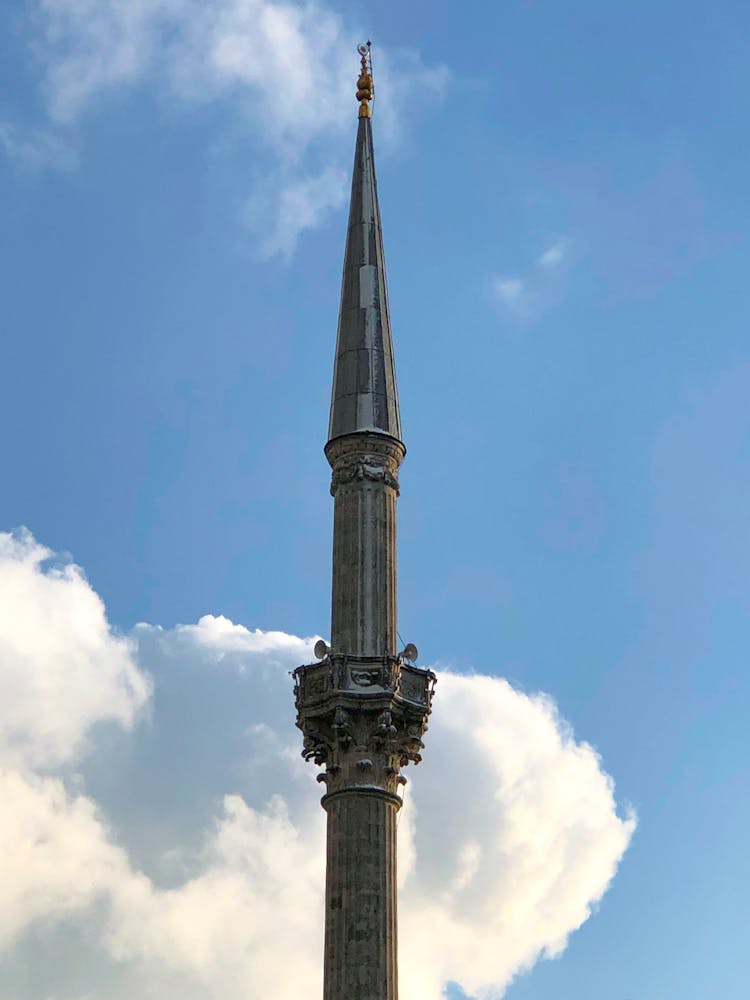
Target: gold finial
365	88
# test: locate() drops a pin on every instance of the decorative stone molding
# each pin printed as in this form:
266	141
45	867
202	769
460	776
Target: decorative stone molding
352	470
365	457
363	719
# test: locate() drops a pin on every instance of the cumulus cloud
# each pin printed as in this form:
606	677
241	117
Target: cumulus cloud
230	927
56	857
529	839
287	70
509	835
62	668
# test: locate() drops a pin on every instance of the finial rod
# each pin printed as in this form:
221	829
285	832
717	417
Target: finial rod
365	87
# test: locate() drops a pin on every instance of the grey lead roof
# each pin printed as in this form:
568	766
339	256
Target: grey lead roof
364	396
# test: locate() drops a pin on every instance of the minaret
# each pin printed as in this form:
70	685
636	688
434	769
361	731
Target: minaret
363	707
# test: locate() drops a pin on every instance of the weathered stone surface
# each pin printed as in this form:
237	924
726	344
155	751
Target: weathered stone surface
364	485
363	718
361	921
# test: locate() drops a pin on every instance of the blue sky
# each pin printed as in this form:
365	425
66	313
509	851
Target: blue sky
564	198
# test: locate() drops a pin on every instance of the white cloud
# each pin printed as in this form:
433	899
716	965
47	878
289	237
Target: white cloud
280	216
554	254
528	296
230	927
514	295
509	835
56	856
529	838
509	290
62	669
288	70
89	46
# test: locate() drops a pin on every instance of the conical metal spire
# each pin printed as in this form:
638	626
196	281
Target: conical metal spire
364	397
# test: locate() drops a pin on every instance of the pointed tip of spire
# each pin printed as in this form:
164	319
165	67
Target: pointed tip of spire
365	395
365	87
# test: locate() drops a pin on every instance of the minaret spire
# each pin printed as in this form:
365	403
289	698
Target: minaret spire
364	397
363	707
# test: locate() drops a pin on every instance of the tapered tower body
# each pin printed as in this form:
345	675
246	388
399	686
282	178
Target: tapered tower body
363	708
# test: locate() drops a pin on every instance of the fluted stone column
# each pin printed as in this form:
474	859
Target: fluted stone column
365	487
361	933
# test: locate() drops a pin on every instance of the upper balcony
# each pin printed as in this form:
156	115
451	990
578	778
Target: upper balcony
339	676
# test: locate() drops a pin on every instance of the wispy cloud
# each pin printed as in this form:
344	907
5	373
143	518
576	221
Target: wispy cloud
36	149
280	216
509	291
514	295
526	296
287	70
534	845
554	255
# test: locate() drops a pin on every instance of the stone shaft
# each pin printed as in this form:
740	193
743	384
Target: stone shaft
360	933
365	487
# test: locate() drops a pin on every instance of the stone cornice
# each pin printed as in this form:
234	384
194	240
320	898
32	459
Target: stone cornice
365	458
